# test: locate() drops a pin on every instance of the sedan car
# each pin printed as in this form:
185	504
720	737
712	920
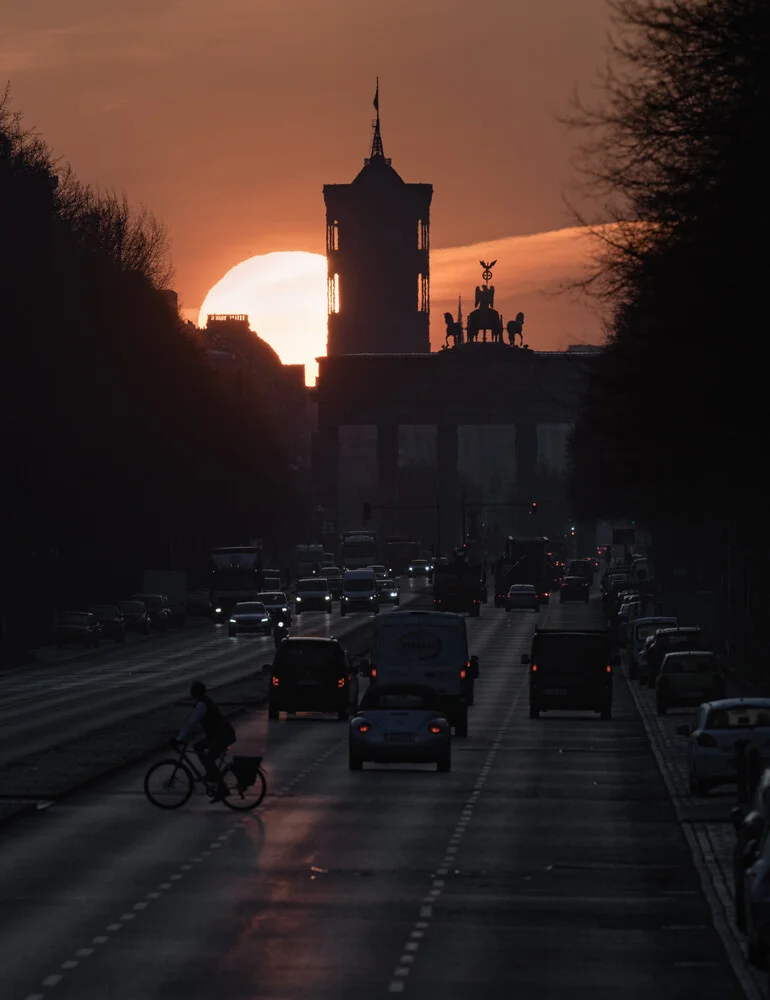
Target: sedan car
750	832
711	743
688	678
277	605
421	567
380	572
522	595
77	627
249	616
388	592
136	616
159	609
575	588
755	898
400	723
111	620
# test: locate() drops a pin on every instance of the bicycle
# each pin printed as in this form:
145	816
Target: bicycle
169	783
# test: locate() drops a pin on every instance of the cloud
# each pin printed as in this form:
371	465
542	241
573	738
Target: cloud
533	275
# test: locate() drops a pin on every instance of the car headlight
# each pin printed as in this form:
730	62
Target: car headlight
233	621
265	620
394	593
217	611
280	624
345	597
371	597
284	610
298	599
411	569
327	597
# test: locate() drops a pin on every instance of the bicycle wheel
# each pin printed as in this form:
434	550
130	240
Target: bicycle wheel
168	784
243	799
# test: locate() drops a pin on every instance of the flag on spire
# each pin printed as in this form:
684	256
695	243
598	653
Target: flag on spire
376	100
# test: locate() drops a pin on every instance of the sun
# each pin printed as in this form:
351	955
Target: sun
284	296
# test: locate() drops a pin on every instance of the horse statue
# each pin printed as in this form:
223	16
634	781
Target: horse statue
454	329
514	328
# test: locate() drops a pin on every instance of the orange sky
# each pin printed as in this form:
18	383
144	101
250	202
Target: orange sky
227	118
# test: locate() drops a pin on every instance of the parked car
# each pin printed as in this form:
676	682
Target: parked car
159	609
669	640
136	616
628	612
388	592
575	588
750	832
249	616
688	678
312	674
111	620
400	723
641	630
711	741
755	895
78	627
522	595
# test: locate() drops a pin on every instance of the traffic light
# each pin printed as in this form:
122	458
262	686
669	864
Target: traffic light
572	529
533	508
367	515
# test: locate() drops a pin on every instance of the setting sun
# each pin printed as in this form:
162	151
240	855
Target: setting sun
284	296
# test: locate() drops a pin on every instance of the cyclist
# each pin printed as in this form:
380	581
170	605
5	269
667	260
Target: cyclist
218	736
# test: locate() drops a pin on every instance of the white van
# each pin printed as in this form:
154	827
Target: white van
425	647
359	592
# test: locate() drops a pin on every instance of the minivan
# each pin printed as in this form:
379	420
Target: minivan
570	669
359	591
312	674
425	647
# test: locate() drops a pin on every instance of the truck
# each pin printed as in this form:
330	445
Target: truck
358	549
399	553
524	560
236	575
308	560
169	583
458	585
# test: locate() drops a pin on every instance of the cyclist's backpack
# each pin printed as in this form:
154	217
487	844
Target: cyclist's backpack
245	770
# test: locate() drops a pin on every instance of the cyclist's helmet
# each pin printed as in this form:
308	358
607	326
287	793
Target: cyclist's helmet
198	690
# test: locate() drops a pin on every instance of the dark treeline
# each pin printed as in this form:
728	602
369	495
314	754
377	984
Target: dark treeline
122	450
675	427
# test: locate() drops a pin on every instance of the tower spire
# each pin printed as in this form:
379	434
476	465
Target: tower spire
377	149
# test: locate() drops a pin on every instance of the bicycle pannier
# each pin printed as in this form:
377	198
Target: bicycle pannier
245	770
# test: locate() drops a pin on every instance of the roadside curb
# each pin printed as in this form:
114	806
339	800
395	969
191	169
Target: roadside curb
715	888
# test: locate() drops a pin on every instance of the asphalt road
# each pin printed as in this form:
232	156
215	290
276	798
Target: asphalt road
547	864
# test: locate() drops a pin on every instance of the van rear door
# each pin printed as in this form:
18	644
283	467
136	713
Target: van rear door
421	648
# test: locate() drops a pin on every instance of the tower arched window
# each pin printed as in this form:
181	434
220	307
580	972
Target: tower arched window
423	235
333	293
332	235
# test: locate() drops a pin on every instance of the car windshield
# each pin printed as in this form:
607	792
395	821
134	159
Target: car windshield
645	631
309	586
740	717
522	588
389	584
249	608
420	563
73	619
687	641
276	598
132	607
359	585
688	664
105	610
308	656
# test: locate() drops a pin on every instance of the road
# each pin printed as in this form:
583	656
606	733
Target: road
547	864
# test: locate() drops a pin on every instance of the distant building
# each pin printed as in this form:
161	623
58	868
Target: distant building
377	250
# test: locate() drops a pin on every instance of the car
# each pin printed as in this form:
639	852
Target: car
312	594
711	742
277	605
522	595
640	630
380	572
626	615
400	724
754	896
751	830
669	640
158	608
333	576
421	567
359	592
575	588
136	616
688	678
569	669
249	616
312	674
388	592
111	620
77	627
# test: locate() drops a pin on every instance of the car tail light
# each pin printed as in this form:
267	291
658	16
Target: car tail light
608	668
435	729
533	668
364	727
275	682
706	740
463	673
341	682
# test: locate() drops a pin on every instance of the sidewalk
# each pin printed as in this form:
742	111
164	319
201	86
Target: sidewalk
705	822
26	785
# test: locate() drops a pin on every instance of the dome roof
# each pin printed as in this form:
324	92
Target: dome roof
377	171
